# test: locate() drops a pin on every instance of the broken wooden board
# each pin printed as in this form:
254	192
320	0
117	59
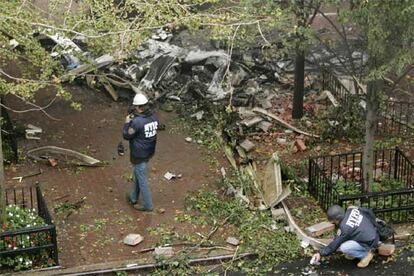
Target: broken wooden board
320	229
108	87
83	159
251	121
247	145
270	183
282	122
327	95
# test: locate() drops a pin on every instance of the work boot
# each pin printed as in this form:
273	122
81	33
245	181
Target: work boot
141	208
366	260
128	199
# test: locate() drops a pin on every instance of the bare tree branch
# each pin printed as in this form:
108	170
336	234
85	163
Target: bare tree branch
261	33
401	77
36	107
25	80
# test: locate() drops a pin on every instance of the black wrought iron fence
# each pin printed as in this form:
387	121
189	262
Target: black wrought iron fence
320	186
39	240
396	118
331	83
394	206
337	179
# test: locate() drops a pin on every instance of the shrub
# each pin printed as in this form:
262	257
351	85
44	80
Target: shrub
20	218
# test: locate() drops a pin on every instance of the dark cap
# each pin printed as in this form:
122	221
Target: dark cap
336	212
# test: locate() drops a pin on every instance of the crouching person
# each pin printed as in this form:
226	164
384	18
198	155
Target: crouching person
357	236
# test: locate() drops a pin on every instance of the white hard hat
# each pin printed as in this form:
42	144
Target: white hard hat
140	99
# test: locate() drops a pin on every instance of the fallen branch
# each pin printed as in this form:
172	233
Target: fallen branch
20	178
202	247
61	197
214	230
232	261
282	122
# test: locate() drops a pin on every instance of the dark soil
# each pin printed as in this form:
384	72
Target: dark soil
94	233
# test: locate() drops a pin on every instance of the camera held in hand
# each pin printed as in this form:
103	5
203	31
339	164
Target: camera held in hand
131	111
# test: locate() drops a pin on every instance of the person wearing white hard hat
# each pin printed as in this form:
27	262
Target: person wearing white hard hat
140	129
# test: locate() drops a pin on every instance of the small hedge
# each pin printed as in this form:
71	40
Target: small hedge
20	218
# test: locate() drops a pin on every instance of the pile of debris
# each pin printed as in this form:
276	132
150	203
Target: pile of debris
165	71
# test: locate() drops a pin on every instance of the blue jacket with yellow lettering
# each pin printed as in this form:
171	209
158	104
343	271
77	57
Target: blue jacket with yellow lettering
357	226
141	132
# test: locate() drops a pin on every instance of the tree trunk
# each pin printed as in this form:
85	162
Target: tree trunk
297	111
372	106
2	185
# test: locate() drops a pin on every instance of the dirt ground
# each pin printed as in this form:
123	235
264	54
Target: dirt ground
95	232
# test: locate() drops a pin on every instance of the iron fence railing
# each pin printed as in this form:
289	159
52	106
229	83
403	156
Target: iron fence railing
395	206
42	239
336	87
396	117
338	179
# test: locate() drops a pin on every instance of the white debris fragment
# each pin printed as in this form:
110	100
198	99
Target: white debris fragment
198	115
164	251
169	175
233	241
133	239
223	172
304	243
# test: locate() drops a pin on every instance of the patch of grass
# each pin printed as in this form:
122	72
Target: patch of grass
84	230
255	231
68	207
308	213
354	188
168	235
343	122
240	180
100	224
388	143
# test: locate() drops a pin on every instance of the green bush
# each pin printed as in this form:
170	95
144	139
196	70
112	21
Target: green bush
344	122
